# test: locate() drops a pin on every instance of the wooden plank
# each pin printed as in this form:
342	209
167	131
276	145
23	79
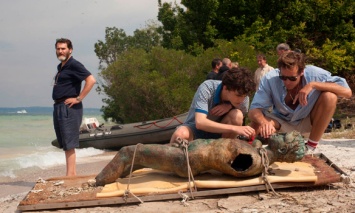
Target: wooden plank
147	198
331	164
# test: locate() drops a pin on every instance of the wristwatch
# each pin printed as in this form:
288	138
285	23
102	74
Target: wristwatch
79	99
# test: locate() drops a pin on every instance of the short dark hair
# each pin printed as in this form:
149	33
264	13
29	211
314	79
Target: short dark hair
215	62
64	40
292	59
261	56
239	79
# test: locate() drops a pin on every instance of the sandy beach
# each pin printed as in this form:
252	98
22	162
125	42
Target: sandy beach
336	197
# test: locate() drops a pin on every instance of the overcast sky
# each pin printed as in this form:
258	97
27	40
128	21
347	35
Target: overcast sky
29	29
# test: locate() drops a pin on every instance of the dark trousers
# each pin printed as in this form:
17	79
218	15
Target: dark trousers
67	123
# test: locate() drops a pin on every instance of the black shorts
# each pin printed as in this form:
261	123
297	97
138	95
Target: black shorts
200	134
67	123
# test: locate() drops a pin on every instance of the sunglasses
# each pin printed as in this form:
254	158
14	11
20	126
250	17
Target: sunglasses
291	78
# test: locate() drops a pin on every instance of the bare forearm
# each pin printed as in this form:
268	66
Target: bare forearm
340	91
208	125
256	116
89	83
228	128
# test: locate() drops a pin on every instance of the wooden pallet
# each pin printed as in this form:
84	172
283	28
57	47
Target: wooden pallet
327	173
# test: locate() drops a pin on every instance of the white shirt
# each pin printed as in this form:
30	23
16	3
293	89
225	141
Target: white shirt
259	73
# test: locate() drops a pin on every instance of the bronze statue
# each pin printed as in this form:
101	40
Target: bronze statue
229	156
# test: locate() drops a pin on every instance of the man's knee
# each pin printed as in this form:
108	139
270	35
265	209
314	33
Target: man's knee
182	132
326	102
328	98
235	117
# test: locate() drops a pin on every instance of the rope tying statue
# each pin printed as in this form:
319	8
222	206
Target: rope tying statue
229	156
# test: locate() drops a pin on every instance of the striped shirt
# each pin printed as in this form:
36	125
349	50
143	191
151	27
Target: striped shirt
207	96
272	93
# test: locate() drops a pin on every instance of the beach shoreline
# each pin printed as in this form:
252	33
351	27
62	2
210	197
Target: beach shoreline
25	180
340	152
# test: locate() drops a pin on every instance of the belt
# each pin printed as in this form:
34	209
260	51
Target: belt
57	101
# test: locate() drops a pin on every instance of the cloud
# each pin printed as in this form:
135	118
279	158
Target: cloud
28	33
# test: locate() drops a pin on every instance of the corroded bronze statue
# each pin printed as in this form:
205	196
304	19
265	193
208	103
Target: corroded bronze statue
229	156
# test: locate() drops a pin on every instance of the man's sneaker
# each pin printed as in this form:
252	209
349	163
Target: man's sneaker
309	150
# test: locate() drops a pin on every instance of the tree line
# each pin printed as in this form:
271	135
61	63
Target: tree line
155	72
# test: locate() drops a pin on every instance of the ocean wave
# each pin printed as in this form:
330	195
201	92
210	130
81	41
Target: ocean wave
42	160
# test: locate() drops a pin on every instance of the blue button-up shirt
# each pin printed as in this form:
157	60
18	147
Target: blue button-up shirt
272	93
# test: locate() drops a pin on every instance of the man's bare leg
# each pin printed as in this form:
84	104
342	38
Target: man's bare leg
321	114
70	157
182	132
234	117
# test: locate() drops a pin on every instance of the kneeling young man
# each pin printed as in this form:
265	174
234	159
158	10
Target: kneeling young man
218	108
303	98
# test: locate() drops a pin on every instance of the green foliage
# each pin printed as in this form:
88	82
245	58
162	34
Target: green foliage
145	38
236	50
148	86
169	16
116	42
161	83
303	24
155	72
188	29
335	57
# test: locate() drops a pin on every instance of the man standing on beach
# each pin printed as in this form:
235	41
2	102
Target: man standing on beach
68	107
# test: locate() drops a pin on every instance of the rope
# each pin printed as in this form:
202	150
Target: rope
185	198
184	144
127	191
265	162
154	123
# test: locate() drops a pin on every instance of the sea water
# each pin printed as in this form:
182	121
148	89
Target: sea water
26	136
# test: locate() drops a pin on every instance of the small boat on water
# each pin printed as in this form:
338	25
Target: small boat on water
116	136
21	111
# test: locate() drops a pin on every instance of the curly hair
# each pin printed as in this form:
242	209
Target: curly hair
292	59
239	79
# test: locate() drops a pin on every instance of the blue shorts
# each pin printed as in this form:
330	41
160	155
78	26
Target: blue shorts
200	134
67	123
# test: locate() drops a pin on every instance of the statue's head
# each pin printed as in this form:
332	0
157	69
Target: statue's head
287	147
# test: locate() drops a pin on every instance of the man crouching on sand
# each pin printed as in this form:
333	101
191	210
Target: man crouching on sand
302	97
218	108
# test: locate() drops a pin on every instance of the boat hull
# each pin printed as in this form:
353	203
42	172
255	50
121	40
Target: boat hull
150	132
